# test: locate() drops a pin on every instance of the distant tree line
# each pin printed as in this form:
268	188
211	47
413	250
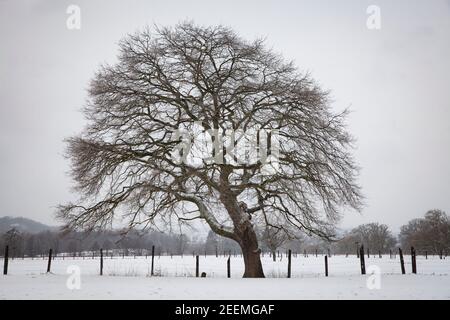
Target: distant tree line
74	243
429	234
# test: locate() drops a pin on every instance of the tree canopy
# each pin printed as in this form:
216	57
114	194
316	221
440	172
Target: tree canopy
186	76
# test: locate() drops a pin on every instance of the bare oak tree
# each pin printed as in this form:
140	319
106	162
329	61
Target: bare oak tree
171	78
274	238
374	236
430	233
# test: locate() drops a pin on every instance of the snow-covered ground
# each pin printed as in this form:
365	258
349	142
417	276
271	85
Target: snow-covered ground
129	278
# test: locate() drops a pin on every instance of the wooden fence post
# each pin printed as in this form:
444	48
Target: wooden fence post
289	263
196	266
101	262
402	262
153	260
5	263
49	260
228	268
361	258
413	260
326	266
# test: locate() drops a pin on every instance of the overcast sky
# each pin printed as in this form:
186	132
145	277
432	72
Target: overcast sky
395	79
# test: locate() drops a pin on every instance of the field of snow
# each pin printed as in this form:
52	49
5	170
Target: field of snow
129	278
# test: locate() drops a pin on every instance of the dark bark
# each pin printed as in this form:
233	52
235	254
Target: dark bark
252	256
244	232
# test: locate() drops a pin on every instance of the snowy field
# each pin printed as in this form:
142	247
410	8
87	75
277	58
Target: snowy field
129	278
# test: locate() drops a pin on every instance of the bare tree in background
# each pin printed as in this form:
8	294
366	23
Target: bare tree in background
182	243
13	238
431	233
374	236
211	243
274	238
123	162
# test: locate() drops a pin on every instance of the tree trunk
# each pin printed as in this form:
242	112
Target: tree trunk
244	233
274	257
251	254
